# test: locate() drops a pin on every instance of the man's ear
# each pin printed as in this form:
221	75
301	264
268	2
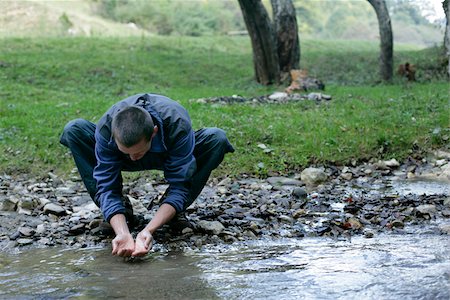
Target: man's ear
155	130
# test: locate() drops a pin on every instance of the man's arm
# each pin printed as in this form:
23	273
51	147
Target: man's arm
145	238
123	243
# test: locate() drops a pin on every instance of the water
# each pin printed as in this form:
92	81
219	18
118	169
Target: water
413	265
386	267
389	266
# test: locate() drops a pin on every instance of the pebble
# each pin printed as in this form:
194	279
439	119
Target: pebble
56	211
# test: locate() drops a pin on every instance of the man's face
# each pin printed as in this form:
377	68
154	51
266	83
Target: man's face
137	151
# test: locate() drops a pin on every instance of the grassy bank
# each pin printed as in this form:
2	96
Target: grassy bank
46	82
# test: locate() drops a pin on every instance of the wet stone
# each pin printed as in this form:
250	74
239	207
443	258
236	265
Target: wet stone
24	242
55	209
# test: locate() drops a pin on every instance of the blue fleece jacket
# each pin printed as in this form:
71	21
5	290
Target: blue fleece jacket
171	151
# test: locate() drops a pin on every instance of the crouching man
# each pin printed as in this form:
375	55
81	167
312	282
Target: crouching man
143	132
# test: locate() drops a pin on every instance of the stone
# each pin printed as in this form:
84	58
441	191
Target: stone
347	176
214	227
440	162
26	231
286	219
299	193
55	209
445	172
7	205
283	181
27	203
445	228
298	213
393	163
187	231
24	242
278	96
77	229
397	224
353	223
426	209
313	176
368	233
40	229
43	201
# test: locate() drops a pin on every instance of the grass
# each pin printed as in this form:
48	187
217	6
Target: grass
46	82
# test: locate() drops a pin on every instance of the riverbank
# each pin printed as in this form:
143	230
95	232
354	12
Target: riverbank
338	202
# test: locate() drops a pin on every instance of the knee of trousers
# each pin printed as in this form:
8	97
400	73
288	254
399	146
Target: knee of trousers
219	139
73	131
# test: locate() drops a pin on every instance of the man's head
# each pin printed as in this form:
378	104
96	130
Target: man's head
132	129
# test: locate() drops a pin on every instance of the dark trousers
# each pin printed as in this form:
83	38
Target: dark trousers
211	145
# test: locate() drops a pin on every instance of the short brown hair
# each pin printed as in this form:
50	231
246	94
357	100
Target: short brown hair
130	125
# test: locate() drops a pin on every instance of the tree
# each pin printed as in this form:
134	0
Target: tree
275	46
386	41
286	30
446	5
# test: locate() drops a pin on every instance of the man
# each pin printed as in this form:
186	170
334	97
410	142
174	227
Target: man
142	132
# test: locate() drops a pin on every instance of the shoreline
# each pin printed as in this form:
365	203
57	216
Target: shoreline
337	202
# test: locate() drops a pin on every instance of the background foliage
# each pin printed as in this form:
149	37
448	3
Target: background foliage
318	19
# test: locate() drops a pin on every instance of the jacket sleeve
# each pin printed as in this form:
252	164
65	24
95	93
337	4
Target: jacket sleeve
179	168
108	176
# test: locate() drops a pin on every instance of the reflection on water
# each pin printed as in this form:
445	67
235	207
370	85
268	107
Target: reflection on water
421	187
386	267
95	274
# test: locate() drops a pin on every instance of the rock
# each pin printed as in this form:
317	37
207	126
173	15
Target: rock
24	242
283	181
397	224
447	202
7	205
318	96
278	96
393	163
368	233
43	201
442	154
286	219
26	231
313	176
214	227
24	211
426	209
353	223
298	213
40	229
440	162
445	228
187	231
299	193
27	204
77	229
347	176
55	209
445	172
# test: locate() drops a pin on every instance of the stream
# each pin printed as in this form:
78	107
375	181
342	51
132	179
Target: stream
389	266
411	263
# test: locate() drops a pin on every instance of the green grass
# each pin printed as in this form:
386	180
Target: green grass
44	83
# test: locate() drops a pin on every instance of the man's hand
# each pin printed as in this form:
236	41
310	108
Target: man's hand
143	244
123	245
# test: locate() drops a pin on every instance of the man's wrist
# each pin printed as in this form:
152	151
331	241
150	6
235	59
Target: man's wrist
119	224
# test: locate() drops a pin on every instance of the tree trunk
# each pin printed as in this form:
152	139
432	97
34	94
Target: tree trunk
446	5
286	30
260	30
386	43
